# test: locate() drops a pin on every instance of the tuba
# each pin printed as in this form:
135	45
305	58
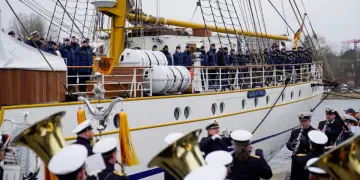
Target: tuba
181	157
44	137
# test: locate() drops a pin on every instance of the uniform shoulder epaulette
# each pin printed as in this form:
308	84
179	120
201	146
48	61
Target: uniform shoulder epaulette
117	173
301	154
258	157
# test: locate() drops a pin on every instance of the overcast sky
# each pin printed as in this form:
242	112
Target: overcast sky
335	20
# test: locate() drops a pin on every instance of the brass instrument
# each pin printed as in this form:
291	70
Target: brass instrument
181	157
44	137
325	126
342	162
298	140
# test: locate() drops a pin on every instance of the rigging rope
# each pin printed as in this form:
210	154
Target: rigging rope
308	18
287	29
241	28
72	26
87	4
62	20
52	17
227	34
206	29
252	15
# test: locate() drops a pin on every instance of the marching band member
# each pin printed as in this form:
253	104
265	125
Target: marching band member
316	173
208	172
331	127
84	135
169	139
219	158
299	139
318	140
352	123
244	165
107	148
213	142
69	162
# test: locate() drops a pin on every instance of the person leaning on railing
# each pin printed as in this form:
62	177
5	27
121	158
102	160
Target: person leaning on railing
68	54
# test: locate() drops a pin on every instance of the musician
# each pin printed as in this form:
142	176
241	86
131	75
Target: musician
350	112
69	162
316	173
244	165
207	172
352	123
169	139
318	140
301	137
84	135
331	126
107	148
214	141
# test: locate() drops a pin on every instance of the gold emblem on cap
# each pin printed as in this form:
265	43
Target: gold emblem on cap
215	122
302	116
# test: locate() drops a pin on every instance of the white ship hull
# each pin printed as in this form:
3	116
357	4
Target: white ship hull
152	118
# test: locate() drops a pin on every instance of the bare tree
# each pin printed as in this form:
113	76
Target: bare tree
32	22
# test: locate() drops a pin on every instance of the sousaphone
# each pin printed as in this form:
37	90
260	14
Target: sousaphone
181	157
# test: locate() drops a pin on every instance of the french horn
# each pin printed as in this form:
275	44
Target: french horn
181	157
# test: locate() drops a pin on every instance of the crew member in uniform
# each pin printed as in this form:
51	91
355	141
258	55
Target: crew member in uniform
316	173
107	148
84	135
214	142
331	127
318	140
69	163
299	139
352	123
244	165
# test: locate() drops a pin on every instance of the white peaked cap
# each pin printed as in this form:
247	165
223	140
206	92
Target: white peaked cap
105	145
241	135
315	170
219	157
317	137
173	137
350	118
68	160
82	126
208	172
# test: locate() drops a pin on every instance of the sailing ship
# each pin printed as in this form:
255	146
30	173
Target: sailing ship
158	99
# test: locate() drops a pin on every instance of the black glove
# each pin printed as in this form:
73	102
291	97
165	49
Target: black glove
259	152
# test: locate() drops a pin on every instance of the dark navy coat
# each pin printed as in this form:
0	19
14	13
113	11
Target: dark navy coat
86	143
49	50
205	59
68	53
31	43
212	59
233	60
187	58
109	173
84	58
253	169
74	46
221	57
241	59
304	146
332	131
227	58
298	171
178	59
168	57
208	145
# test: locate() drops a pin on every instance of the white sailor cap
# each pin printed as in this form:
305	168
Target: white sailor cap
68	160
208	172
317	137
330	110
169	139
304	116
84	126
105	145
212	125
349	118
219	157
241	135
314	170
35	33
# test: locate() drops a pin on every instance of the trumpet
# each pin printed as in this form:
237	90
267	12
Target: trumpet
298	140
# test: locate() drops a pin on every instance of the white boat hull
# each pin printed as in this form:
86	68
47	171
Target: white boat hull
152	118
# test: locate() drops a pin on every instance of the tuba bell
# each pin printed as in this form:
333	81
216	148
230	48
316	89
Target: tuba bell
44	137
181	157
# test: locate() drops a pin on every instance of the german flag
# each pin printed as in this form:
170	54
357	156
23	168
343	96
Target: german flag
297	35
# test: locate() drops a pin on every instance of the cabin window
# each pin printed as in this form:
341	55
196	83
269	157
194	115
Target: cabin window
187	112
222	107
177	113
267	99
243	103
256	101
213	108
292	95
283	96
116	121
299	93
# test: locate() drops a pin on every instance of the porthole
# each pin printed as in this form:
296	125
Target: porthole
256	101
243	103
222	107
283	96
187	112
213	108
267	99
116	121
177	112
299	93
292	95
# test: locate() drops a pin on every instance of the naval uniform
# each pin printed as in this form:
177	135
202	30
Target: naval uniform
299	172
252	169
332	131
304	146
109	173
86	143
208	145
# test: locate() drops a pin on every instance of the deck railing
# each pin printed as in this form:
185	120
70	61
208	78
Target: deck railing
212	78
